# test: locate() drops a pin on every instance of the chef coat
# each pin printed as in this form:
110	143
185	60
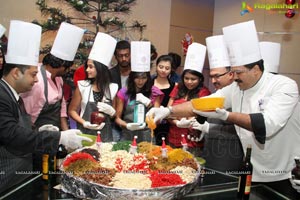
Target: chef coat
276	98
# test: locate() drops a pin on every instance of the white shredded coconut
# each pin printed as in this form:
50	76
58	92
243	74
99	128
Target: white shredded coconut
131	181
187	174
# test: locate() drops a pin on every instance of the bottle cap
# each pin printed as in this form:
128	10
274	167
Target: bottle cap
134	141
163	143
99	137
183	140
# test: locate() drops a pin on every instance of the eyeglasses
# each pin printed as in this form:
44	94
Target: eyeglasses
216	76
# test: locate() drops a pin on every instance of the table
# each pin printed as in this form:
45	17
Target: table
213	185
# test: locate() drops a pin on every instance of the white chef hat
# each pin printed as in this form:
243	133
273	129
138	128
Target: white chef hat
140	56
67	41
242	43
24	43
2	30
103	48
195	57
270	53
217	52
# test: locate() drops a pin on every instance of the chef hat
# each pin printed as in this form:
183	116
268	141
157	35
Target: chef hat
270	53
67	41
217	52
103	48
242	43
140	56
24	43
195	57
2	30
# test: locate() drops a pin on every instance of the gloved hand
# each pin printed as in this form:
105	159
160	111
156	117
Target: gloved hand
144	100
88	125
201	127
158	113
135	126
48	127
218	114
106	108
71	140
184	123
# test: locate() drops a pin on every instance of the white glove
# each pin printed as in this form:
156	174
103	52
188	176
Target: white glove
106	108
135	126
184	123
71	140
48	127
218	114
158	113
201	127
88	125
144	100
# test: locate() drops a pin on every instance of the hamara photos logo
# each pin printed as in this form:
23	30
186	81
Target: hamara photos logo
274	7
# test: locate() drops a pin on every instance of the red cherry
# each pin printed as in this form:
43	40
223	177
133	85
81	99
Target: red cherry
290	13
290	2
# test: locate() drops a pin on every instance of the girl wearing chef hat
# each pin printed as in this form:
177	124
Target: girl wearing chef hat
138	96
95	96
191	86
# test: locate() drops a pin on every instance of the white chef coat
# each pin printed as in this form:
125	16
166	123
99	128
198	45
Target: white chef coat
85	89
276	98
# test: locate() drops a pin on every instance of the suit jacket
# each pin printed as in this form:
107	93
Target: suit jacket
17	142
22	139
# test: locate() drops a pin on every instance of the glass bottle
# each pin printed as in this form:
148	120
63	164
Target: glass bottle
60	155
245	176
97	117
296	169
48	165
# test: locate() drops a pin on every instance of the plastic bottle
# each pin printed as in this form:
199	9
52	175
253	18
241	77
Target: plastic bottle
139	113
245	176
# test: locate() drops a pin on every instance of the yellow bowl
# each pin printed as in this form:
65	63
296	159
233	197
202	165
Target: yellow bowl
208	103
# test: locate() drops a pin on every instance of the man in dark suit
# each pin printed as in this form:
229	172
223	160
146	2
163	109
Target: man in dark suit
17	140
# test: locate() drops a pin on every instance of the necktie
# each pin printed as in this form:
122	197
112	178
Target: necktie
21	105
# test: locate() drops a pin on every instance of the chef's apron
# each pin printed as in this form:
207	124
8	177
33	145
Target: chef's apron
50	114
106	131
143	135
222	148
14	164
